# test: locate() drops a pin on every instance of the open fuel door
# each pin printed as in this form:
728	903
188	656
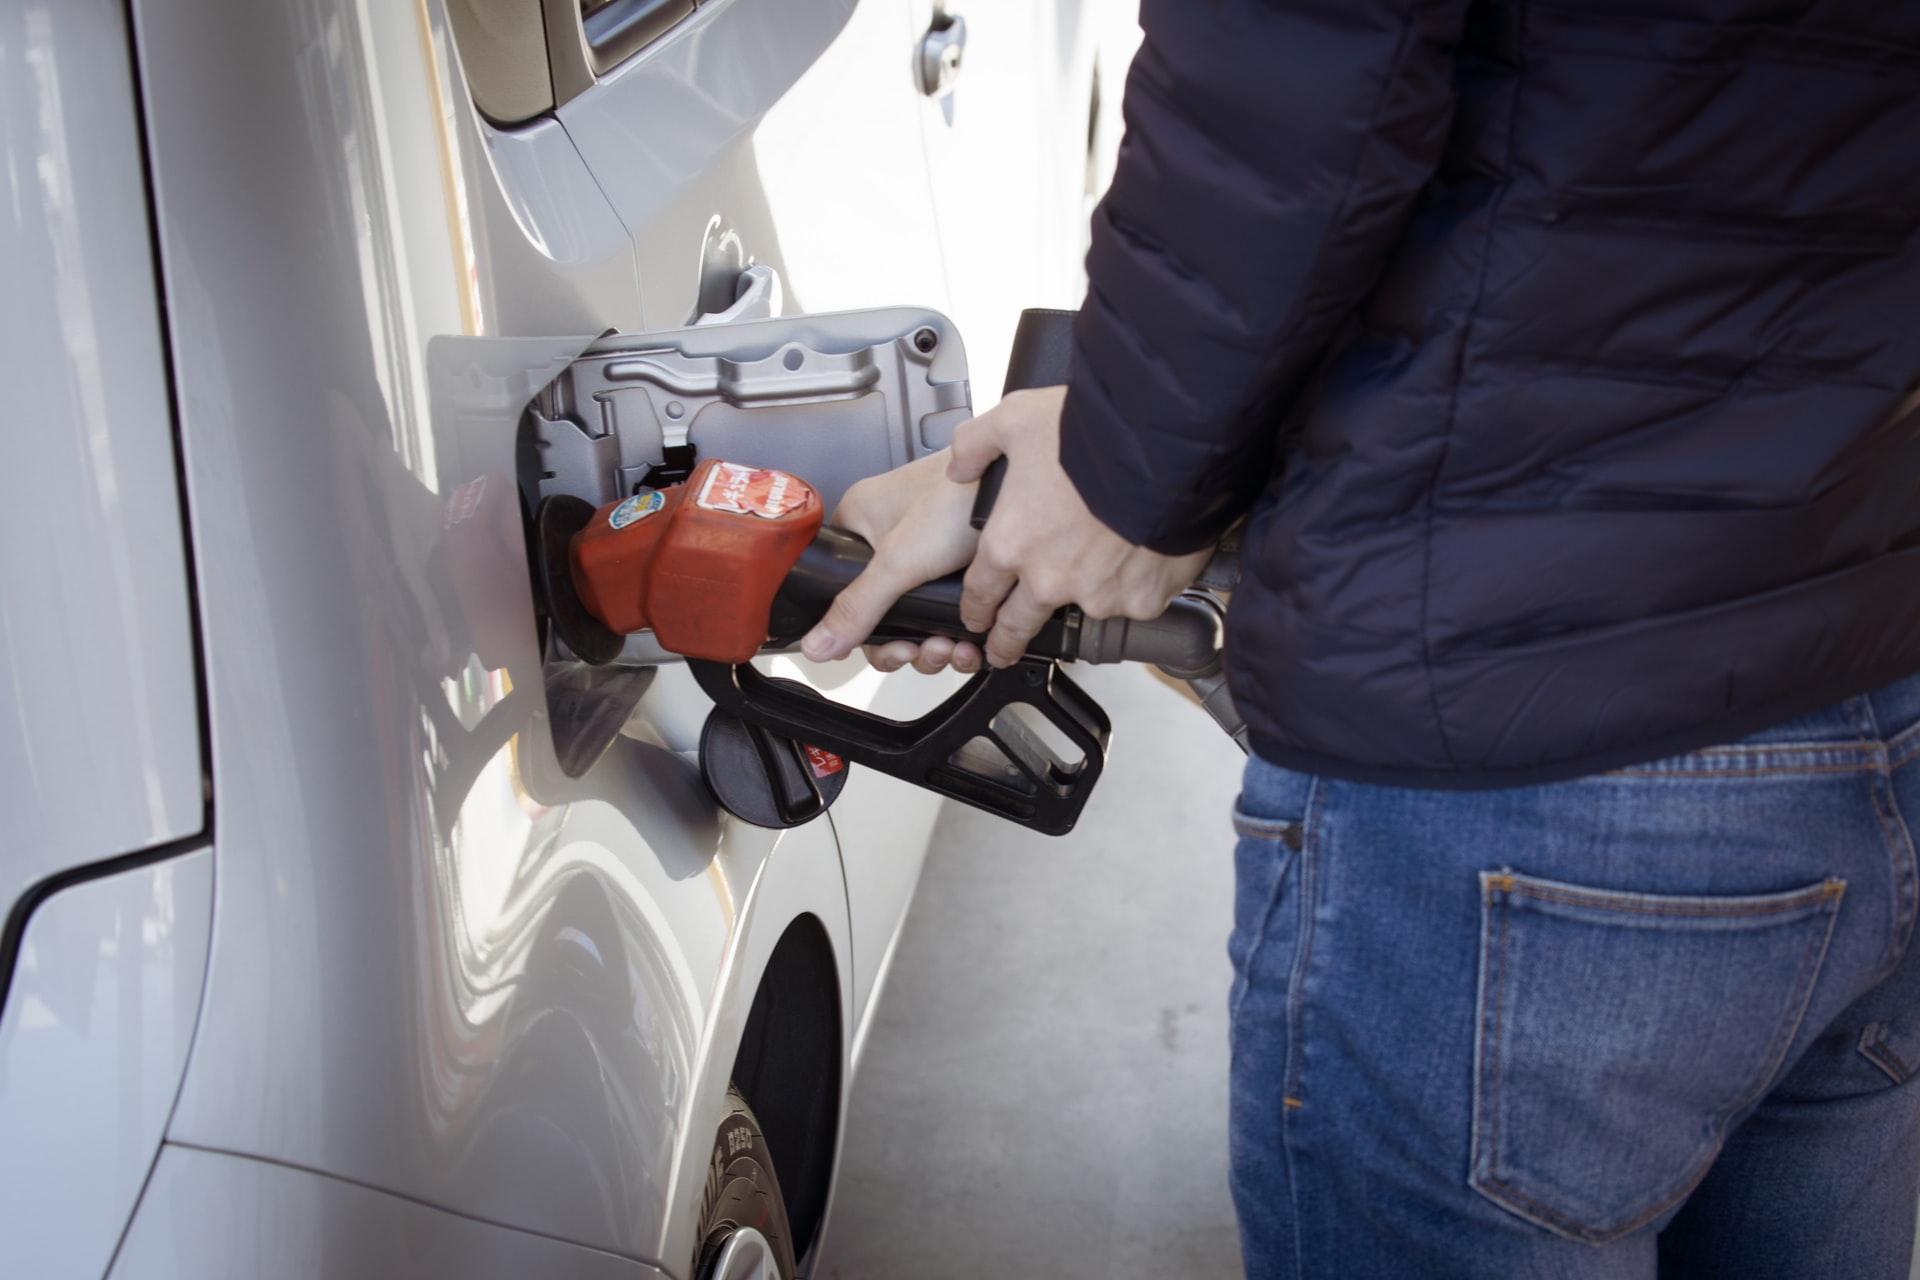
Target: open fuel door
834	398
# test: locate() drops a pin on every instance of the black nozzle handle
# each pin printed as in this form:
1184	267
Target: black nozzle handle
1041	356
989	492
1185	640
836	557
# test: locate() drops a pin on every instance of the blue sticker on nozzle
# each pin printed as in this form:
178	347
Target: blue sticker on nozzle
638	507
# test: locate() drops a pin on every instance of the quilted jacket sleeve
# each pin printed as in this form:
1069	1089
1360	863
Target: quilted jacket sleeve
1273	151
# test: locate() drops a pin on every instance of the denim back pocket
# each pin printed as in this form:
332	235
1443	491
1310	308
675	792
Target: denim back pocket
1620	1033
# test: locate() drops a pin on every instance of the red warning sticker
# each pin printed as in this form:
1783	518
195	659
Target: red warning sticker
823	762
751	491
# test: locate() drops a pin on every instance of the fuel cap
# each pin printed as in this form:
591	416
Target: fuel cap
764	778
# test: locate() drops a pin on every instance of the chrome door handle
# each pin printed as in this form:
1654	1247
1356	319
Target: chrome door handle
940	52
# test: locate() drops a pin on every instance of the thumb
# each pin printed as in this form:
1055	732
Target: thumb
975	445
853	615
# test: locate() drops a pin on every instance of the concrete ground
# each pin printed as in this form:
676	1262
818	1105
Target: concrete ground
1044	1089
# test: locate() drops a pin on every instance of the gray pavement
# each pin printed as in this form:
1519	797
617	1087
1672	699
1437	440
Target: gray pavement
1044	1091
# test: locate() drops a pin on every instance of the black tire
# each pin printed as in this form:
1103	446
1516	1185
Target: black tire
742	1191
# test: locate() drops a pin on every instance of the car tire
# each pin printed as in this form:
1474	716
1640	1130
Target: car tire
742	1199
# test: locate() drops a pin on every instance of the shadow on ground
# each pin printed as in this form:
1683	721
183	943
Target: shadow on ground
1044	1091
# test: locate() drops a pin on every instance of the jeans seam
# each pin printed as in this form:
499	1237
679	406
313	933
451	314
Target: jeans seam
1309	863
1904	747
1563	1224
1790	1029
1499	988
1812	746
1901	868
1875	1049
1308	859
1757	771
1260	935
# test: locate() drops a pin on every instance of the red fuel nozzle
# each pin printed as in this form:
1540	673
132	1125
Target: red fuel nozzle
700	562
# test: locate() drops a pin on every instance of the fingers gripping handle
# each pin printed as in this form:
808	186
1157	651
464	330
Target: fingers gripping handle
1185	639
1042	356
835	558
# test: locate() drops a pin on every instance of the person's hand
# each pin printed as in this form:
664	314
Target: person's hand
1042	548
919	524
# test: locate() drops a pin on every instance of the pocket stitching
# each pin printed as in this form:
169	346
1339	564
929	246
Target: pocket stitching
1484	1178
1875	1049
1681	907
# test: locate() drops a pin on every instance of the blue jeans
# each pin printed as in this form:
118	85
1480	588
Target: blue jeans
1663	1021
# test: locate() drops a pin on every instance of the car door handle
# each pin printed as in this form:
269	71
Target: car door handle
940	53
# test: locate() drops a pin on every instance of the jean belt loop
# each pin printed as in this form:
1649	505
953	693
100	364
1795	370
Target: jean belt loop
1860	711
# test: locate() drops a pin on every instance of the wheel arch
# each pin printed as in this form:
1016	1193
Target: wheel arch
781	1018
791	1069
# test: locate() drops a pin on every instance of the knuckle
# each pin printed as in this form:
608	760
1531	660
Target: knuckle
1018	624
1101	602
842	611
1050	588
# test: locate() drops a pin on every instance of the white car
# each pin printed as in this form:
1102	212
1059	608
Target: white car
351	929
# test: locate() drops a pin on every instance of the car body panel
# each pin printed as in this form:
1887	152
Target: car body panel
92	1044
1025	64
99	727
211	1215
443	972
441	968
791	136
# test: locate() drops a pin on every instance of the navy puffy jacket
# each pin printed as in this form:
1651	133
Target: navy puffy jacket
1565	353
